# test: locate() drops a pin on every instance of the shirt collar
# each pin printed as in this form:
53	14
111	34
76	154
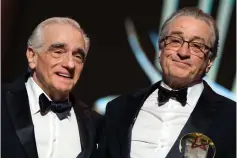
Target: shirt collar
34	92
193	94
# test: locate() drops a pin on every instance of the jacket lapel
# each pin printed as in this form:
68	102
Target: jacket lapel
19	111
86	129
199	120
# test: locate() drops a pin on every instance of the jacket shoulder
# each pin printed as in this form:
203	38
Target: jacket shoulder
88	112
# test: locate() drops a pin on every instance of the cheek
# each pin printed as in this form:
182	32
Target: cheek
163	56
198	67
78	71
47	68
165	59
42	66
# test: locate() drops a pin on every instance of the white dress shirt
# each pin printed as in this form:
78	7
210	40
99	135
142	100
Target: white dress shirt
54	138
157	127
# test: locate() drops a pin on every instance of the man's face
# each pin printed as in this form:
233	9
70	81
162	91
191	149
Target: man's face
58	66
182	67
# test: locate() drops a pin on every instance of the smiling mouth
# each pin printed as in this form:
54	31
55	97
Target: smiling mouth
182	64
64	75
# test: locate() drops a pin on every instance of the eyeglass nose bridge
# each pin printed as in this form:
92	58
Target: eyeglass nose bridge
191	51
66	55
188	42
69	56
182	44
68	60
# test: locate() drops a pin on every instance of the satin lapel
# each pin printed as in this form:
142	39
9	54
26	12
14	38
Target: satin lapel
199	120
128	119
86	129
18	108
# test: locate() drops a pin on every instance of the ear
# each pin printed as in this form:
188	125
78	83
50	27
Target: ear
209	65
159	55
161	46
31	57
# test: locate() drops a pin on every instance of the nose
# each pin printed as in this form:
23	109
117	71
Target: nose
68	62
184	50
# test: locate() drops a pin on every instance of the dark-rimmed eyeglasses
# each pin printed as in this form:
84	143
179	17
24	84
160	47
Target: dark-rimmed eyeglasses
196	48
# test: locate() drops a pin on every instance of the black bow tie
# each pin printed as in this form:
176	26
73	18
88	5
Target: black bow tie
61	109
165	94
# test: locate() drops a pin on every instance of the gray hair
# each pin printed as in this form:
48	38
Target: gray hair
36	41
197	14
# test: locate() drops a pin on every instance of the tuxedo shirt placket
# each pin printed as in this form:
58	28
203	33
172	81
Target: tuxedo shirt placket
50	132
157	128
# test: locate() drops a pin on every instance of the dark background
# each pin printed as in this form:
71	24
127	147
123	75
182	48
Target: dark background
111	67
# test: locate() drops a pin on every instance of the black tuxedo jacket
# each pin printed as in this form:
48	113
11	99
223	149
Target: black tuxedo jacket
17	130
213	116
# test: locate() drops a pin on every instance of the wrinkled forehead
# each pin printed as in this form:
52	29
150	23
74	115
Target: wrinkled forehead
190	27
63	33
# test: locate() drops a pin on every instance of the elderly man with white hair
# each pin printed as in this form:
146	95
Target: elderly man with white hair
40	117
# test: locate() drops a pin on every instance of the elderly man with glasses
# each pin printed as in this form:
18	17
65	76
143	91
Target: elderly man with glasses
40	116
179	116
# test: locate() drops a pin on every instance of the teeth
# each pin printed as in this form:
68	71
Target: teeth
64	75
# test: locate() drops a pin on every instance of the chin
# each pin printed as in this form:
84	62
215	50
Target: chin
63	88
180	74
181	77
